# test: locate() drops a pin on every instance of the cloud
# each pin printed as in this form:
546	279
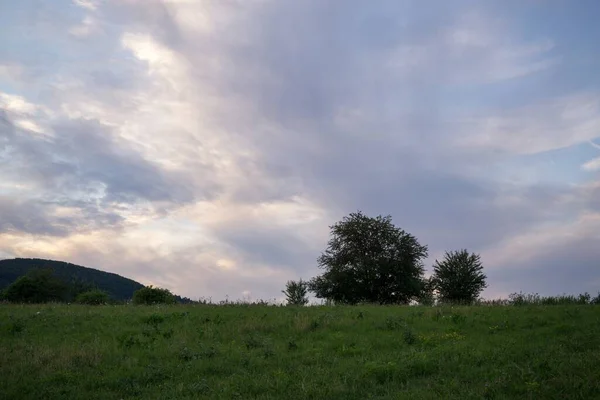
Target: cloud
550	259
207	145
91	5
86	28
553	124
592	165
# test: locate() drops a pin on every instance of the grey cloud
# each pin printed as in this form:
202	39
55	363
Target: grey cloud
300	67
84	167
571	268
313	59
84	153
276	247
28	217
36	217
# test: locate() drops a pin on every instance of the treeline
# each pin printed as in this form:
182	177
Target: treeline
370	260
41	285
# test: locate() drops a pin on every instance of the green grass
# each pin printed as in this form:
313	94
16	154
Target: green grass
260	352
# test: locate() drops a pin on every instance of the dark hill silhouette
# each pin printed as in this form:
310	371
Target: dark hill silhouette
118	287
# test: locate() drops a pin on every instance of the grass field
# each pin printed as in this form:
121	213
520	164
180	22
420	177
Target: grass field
261	352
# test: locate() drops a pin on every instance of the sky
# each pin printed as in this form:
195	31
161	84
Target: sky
206	146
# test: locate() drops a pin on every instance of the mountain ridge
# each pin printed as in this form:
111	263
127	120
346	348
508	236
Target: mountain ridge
117	286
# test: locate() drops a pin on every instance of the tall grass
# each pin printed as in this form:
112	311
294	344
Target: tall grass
245	351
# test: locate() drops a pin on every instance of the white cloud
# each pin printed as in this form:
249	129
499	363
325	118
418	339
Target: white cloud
91	5
26	115
592	165
16	104
549	125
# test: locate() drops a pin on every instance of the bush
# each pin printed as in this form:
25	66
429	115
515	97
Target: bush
93	297
427	296
151	295
37	286
296	293
521	299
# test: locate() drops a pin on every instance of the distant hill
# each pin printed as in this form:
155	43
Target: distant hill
120	288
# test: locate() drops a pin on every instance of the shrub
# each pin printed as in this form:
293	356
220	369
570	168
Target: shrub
37	286
427	296
296	293
93	297
152	295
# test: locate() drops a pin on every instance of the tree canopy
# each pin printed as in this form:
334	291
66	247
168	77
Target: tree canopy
458	278
37	286
370	260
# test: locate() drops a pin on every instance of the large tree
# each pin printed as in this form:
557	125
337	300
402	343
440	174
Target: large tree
370	260
459	277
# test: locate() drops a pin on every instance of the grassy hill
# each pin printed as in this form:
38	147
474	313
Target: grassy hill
260	352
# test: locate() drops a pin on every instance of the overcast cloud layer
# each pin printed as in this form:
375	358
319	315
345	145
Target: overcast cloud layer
206	146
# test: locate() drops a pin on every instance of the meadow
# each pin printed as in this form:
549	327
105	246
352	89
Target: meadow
264	352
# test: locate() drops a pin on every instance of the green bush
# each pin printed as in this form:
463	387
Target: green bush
93	297
296	293
151	295
37	286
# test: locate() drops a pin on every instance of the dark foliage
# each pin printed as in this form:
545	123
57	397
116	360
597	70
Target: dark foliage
94	297
370	260
79	278
151	295
296	293
427	294
458	278
37	286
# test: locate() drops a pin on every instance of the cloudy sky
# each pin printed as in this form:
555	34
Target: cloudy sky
206	145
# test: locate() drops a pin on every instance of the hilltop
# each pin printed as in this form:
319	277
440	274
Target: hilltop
119	287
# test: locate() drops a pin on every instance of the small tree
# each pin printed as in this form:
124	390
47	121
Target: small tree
93	297
370	260
151	295
458	278
296	293
37	286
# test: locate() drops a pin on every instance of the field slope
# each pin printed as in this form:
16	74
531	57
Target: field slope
259	352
